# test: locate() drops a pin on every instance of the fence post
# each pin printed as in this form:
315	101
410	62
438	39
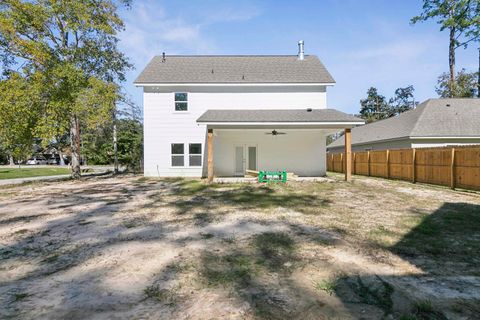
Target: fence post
368	163
452	170
388	164
413	165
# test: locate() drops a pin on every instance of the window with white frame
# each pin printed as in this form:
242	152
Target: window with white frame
181	101
195	154
178	155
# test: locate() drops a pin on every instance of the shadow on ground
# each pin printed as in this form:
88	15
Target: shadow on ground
266	269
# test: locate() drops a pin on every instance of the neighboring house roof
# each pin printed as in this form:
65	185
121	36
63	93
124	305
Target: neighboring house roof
432	118
287	116
234	69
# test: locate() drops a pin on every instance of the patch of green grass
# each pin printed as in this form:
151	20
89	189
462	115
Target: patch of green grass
179	267
21	231
84	222
130	224
424	310
189	187
373	291
206	236
202	218
233	269
51	258
452	230
114	202
382	235
230	239
275	249
14	173
19	296
165	296
328	286
250	196
469	308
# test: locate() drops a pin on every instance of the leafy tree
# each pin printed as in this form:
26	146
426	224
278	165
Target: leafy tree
74	46
402	101
3	155
19	108
98	143
130	144
461	18
466	85
374	107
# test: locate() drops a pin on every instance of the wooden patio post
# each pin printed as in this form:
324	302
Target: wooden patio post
210	155
348	154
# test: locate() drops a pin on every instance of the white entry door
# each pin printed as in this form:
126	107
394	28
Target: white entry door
239	160
245	158
252	158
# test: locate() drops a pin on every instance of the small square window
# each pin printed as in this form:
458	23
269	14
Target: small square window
195	148
181	106
177	148
181	96
178	161
195	160
181	101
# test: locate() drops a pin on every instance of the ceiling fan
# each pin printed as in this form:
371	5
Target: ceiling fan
275	133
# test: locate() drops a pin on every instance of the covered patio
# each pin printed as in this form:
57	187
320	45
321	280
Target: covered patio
273	140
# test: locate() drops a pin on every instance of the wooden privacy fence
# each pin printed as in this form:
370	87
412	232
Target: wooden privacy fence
456	167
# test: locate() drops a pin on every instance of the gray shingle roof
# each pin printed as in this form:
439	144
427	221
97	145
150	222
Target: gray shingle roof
234	69
297	115
432	118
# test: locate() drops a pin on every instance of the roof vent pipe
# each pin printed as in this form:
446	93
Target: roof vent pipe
301	55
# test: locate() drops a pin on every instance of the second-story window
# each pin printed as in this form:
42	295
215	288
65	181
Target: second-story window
181	101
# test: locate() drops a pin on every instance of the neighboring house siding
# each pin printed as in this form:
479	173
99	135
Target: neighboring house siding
408	143
428	143
397	144
163	125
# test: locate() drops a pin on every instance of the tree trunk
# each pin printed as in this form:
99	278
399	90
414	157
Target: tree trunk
115	148
451	61
10	160
60	154
75	144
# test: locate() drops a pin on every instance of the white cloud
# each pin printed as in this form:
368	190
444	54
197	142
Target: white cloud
151	29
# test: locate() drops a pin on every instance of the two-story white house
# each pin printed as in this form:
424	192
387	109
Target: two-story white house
222	115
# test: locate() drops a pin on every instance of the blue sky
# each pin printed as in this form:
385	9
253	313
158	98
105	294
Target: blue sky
363	43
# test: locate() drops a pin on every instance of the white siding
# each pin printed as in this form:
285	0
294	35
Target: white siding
164	126
428	143
409	143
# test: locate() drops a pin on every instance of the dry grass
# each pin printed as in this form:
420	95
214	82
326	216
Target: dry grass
133	247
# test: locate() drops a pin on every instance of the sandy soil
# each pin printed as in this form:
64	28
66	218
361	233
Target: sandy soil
134	248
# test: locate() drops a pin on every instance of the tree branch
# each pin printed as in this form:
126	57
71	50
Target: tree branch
466	42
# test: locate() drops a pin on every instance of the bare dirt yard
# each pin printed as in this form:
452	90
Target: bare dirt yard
134	248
